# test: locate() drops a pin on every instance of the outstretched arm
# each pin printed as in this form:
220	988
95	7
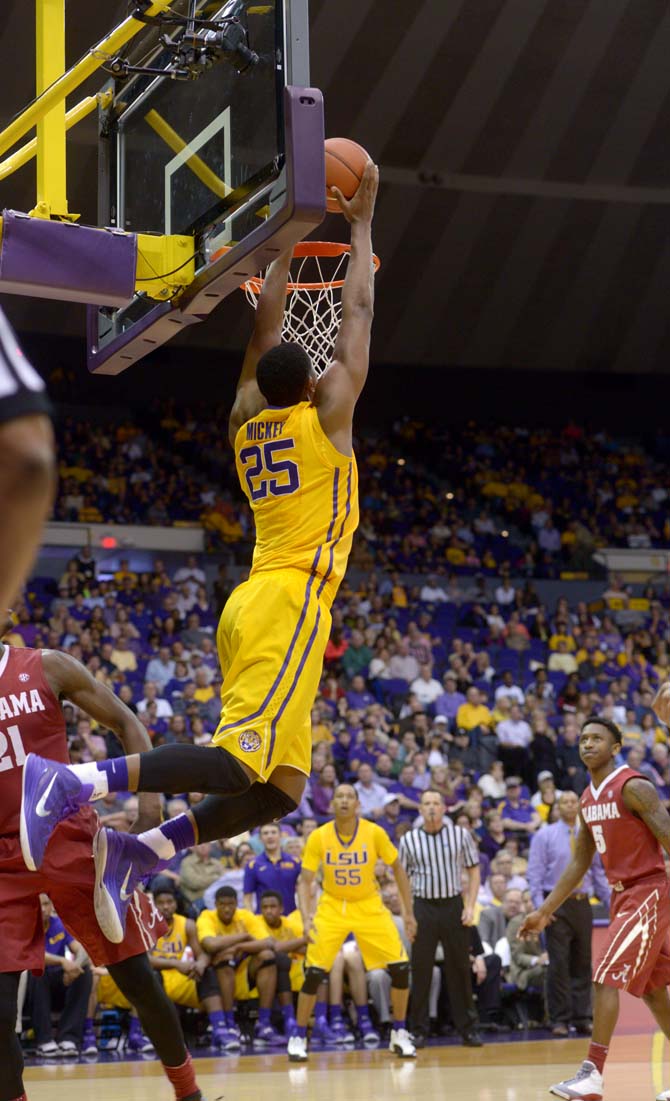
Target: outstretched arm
70	680
339	388
571	878
267	334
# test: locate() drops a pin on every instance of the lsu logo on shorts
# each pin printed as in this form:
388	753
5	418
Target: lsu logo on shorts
249	741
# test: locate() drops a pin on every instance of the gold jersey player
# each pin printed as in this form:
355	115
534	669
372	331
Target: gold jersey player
292	436
347	851
622	818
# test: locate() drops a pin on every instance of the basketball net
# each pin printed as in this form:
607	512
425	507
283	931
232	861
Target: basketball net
313	298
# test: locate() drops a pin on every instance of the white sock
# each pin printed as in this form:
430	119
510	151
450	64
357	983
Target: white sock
89	773
160	844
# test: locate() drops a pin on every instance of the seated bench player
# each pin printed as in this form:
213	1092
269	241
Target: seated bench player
242	961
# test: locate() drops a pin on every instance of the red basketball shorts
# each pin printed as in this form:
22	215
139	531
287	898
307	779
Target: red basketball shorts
68	878
636	957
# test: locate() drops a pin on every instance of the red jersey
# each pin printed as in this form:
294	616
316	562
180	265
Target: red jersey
628	849
31	721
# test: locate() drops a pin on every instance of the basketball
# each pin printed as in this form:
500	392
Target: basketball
345	165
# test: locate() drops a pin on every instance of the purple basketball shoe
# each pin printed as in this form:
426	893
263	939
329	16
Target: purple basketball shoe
121	863
51	792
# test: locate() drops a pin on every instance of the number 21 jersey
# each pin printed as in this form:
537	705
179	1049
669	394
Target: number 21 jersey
31	721
628	849
303	493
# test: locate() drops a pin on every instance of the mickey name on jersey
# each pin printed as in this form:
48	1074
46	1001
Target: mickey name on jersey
600	812
25	703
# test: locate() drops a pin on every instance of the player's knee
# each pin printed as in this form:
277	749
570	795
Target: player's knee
314	976
399	973
266	958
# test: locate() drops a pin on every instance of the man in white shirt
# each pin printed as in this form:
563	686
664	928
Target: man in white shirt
163	708
432	593
426	688
371	794
509	689
403	665
562	661
161	669
190	573
492	783
505	593
515	732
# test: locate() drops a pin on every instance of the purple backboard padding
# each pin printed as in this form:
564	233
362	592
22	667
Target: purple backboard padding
65	261
304	209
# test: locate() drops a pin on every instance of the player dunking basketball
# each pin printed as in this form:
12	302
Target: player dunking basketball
292	436
622	818
32	682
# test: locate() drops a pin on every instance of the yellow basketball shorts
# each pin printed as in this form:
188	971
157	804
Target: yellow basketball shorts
369	921
109	994
180	989
271	639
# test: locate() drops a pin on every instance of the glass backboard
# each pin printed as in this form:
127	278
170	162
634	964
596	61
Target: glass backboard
231	155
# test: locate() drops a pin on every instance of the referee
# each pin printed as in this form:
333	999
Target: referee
27	464
434	856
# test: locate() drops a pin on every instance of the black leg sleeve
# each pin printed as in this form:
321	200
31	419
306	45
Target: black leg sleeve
219	817
137	979
176	768
11	1063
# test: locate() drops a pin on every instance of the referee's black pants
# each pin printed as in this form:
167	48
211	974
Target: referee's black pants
439	921
569	971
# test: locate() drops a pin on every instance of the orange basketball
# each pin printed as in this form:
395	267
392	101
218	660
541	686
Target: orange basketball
345	165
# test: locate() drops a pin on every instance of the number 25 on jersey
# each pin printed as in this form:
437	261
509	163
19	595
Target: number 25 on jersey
268	469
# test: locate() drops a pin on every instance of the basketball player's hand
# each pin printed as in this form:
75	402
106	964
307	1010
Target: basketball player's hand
535	923
362	207
410	927
661	704
71	971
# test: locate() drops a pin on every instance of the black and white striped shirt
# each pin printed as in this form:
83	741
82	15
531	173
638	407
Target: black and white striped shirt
434	861
22	391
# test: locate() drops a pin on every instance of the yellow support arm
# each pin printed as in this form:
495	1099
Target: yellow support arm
50	65
75	115
71	80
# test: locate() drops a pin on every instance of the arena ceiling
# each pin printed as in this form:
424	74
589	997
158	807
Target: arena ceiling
524	215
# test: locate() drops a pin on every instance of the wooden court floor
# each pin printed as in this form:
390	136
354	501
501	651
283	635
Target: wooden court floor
639	1066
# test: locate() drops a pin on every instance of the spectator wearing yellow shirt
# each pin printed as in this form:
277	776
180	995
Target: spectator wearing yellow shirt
473	712
204	691
123	572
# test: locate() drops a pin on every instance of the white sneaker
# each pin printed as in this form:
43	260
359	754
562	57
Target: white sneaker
665	1096
297	1049
401	1044
68	1049
587	1085
50	1050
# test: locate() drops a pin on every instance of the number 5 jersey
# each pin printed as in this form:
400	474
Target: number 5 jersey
627	847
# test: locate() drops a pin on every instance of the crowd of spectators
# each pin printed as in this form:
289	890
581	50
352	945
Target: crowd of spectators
470	687
450	500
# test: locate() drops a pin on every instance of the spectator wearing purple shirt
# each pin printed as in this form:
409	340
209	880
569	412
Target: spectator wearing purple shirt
451	699
408	795
358	696
568	938
518	817
391	817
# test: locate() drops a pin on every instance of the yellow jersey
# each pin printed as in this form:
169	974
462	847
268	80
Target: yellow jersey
209	924
175	942
290	928
303	494
349	863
